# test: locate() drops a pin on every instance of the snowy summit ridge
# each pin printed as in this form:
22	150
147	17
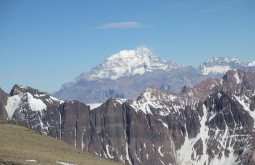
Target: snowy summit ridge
220	65
128	63
251	64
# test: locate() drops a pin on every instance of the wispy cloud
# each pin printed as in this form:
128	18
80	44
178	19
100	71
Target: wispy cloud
121	25
179	5
222	6
216	8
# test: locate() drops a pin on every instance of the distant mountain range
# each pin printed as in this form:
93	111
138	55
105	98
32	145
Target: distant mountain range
211	123
129	72
220	65
181	115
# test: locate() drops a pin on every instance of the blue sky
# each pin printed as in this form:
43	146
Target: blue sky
45	43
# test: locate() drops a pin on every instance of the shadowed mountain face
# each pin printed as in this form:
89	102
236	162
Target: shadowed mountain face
210	123
129	72
98	91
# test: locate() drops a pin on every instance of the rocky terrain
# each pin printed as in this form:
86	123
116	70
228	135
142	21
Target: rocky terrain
129	72
210	123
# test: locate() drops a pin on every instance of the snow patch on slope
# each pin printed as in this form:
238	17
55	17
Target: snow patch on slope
31	160
160	152
238	81
35	104
120	101
161	108
144	107
187	155
245	102
107	151
185	152
94	105
55	99
161	101
230	160
12	104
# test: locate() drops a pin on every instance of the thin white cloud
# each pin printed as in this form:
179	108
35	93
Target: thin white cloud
179	5
216	8
121	25
222	6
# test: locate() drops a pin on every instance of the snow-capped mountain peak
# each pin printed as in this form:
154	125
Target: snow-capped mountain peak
222	60
220	65
128	63
140	52
252	63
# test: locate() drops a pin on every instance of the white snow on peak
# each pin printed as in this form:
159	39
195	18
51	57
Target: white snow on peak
35	104
120	101
154	94
251	63
127	54
159	100
40	95
55	99
220	65
222	60
128	63
22	86
15	101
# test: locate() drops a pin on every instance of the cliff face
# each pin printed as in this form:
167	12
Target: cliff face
122	134
213	125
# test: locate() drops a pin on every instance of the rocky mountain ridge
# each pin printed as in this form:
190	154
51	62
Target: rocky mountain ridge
129	72
213	125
